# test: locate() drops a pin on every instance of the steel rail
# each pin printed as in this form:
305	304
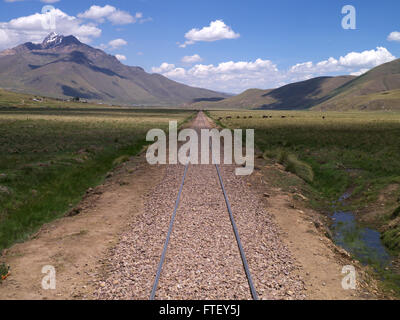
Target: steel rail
235	229
234	226
171	225
239	242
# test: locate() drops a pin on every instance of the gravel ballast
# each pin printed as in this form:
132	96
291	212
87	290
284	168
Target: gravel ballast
203	260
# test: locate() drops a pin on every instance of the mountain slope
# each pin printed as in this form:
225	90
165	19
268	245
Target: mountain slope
294	96
304	94
64	67
378	89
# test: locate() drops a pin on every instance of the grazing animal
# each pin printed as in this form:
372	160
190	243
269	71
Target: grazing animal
265	117
237	117
283	117
251	117
323	117
229	117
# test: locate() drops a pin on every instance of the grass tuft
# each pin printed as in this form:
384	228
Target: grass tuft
300	168
3	271
120	160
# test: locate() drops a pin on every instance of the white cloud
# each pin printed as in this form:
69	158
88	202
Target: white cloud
117	43
238	76
112	14
394	36
348	64
191	59
368	58
164	67
359	72
217	30
34	28
120	57
121	17
227	76
97	12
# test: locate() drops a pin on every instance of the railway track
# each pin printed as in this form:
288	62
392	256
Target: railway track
201	119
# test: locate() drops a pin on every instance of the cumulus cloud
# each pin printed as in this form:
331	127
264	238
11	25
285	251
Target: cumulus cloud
117	43
354	60
238	76
112	14
164	67
394	36
227	76
217	30
120	57
359	72
35	28
191	59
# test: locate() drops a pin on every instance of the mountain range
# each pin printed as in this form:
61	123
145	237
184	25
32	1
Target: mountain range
376	90
63	67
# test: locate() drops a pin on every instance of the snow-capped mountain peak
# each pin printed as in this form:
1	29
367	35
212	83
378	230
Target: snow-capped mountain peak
52	40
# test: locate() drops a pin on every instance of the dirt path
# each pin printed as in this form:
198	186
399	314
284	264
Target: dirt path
111	250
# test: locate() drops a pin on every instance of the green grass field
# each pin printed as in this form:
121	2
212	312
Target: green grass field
9	99
49	158
345	151
350	151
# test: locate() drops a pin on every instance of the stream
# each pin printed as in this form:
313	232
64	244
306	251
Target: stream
363	243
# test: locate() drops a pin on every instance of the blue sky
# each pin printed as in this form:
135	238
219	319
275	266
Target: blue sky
233	45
